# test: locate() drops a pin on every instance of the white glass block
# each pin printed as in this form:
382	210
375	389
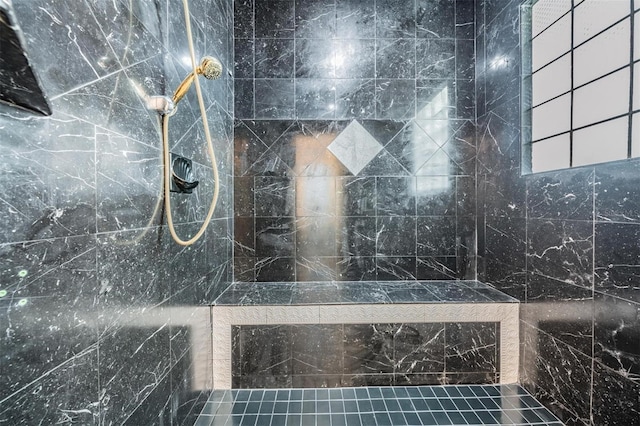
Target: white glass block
600	143
636	87
551	118
550	154
551	44
546	12
602	54
636	38
602	99
593	16
552	80
635	136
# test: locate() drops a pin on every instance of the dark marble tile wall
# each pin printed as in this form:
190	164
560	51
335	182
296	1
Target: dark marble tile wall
564	243
304	71
341	59
364	355
96	301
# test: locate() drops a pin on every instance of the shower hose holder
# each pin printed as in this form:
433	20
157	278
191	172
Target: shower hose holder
182	175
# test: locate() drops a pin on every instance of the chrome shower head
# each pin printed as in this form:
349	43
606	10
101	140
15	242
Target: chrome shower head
210	68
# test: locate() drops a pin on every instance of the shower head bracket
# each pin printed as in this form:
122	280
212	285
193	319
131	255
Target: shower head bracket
182	179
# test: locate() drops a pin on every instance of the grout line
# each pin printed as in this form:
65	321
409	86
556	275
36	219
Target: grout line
573	88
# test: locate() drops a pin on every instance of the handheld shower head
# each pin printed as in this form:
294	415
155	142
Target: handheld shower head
210	68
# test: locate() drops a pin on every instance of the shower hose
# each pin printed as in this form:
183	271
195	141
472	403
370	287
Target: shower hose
166	155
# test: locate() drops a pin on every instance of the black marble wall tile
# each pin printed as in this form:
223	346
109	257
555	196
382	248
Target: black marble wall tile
437	268
273	58
435	58
243	100
562	310
355	19
261	351
615	398
357	60
243	24
48	298
562	195
395	196
274	19
274	269
419	348
48	166
315	236
274	196
436	98
436	236
317	349
505	250
123	195
465	20
355	98
357	237
356	268
274	98
466	99
395	58
315	98
315	58
436	196
435	18
157	406
465	59
358	195
315	19
562	249
85	253
61	70
395	99
499	139
368	349
364	354
244	59
617	335
616	192
563	321
471	347
395	268
395	19
316	268
124	384
616	254
396	236
557	375
275	236
74	384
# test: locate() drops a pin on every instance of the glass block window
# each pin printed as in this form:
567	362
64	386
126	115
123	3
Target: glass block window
581	86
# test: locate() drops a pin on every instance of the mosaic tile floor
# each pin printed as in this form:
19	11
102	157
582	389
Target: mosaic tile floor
377	406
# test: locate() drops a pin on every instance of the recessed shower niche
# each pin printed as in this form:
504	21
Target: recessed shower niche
19	85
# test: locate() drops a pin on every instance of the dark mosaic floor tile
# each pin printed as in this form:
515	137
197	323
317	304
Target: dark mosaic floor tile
411	405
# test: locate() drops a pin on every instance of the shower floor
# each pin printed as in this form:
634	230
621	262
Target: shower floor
376	406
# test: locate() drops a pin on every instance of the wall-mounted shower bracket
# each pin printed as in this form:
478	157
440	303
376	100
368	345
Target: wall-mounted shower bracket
182	178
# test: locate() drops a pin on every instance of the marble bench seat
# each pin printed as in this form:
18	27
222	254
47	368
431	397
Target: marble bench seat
360	292
305	323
